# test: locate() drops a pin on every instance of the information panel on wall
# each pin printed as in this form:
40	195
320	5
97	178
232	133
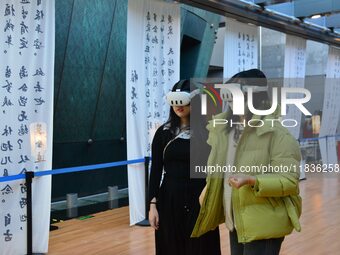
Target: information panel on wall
26	114
153	50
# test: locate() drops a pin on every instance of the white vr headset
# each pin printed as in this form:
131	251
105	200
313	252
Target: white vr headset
180	98
227	91
227	95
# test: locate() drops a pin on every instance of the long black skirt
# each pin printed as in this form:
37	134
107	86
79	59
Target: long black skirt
178	208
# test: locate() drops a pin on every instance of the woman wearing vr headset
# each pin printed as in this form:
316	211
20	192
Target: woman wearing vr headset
173	195
258	208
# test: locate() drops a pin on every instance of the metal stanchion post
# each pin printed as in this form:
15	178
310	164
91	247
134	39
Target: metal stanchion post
145	222
72	205
112	197
29	177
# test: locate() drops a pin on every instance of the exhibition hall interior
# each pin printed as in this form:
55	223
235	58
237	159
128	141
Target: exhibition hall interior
86	86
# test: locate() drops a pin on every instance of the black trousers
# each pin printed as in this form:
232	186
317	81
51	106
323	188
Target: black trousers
258	247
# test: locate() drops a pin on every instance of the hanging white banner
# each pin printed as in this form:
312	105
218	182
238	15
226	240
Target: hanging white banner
152	68
26	113
331	108
294	76
241	46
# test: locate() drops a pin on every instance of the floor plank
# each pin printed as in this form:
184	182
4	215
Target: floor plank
109	232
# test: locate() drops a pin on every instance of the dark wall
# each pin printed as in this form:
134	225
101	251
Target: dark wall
199	28
90	59
89	93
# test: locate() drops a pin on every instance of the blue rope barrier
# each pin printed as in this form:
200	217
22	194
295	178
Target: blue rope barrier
113	164
318	138
74	169
12	178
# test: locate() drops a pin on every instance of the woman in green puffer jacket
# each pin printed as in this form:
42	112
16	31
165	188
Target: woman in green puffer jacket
262	205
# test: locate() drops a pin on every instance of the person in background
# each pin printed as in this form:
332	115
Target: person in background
174	204
259	208
308	128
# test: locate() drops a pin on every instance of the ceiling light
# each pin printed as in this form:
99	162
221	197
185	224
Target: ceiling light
316	16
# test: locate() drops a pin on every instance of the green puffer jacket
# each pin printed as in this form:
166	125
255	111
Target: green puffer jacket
272	207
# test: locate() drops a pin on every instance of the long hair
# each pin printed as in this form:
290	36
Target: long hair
174	122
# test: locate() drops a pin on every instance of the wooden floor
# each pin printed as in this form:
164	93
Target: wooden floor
109	232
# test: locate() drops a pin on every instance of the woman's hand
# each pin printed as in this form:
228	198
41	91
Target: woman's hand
237	181
153	217
201	198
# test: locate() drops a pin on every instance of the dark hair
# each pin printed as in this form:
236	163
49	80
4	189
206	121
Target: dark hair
253	77
174	122
260	101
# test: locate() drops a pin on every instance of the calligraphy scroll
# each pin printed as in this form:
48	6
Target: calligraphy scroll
331	108
294	76
240	47
153	49
26	111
